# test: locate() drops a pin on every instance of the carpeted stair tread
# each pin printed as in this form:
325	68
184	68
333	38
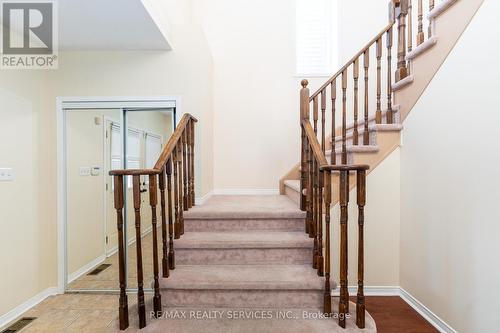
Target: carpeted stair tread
246	206
243	277
244	239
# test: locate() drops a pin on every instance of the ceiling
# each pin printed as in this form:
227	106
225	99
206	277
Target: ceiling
109	25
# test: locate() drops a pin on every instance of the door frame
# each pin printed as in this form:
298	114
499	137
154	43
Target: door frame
86	102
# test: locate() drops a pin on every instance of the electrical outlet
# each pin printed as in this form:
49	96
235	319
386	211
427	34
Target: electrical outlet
6	175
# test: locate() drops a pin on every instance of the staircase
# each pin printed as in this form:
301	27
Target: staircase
415	44
244	252
251	252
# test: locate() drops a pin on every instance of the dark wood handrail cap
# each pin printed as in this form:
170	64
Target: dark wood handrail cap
345	167
134	172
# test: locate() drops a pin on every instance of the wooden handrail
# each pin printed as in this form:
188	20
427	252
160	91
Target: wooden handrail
315	146
172	142
165	153
353	59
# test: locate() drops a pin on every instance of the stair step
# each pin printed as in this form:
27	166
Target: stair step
231	248
422	48
292	189
402	83
222	207
233	286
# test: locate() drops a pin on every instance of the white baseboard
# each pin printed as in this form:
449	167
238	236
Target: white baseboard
428	315
22	308
246	191
203	199
73	276
371	291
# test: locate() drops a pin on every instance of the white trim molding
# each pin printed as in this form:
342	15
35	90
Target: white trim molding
86	268
25	306
203	199
370	291
246	191
425	312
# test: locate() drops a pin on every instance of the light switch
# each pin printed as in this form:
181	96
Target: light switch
6	175
84	171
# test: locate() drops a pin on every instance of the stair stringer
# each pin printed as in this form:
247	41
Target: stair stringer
447	28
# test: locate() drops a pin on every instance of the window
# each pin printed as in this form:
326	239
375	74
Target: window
316	37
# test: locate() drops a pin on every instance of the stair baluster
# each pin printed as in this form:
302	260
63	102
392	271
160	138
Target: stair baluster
344	293
123	301
177	233
323	110
309	191
355	135
141	306
321	180
431	7
181	180
420	35
410	28
361	200
185	199
171	232
366	134
153	201
164	265
314	225
389	114
333	95
191	154
401	13
344	117
378	114
327	303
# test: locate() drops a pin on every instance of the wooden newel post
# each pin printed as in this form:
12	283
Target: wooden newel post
304	114
401	14
123	302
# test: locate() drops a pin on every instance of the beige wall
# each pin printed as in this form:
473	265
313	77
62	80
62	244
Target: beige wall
450	184
27	214
381	227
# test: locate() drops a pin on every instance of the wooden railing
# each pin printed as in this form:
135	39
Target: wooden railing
177	155
342	92
318	192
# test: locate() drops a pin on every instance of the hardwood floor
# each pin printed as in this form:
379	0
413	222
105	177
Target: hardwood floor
393	315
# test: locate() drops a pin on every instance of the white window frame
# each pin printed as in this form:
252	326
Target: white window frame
331	39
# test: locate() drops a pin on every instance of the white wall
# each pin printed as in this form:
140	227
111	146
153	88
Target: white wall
450	185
